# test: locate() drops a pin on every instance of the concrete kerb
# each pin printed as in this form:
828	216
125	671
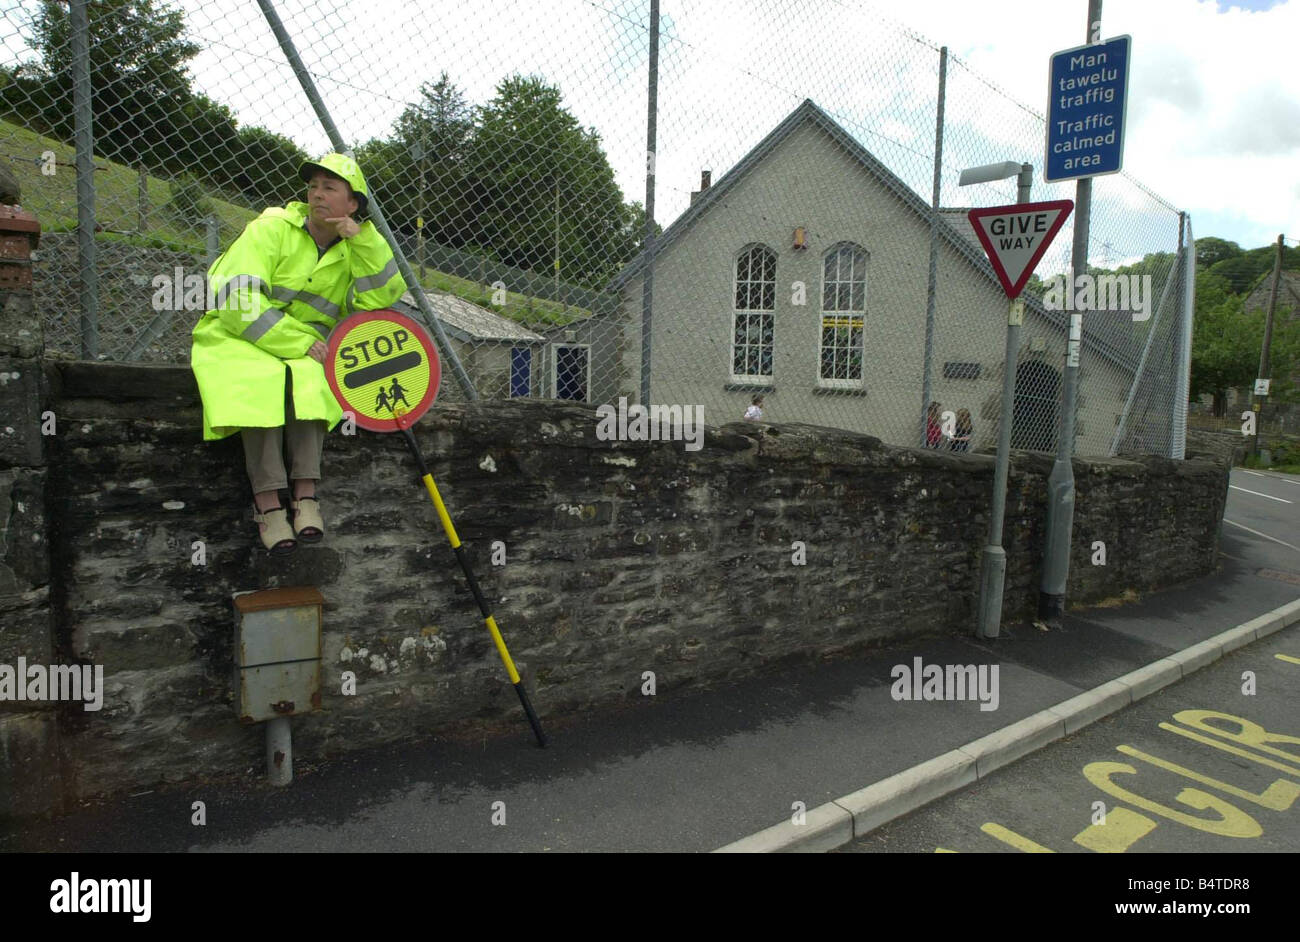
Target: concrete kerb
837	822
826	827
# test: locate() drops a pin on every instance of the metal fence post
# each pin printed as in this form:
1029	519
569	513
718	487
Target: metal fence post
213	227
85	144
930	291
336	140
648	277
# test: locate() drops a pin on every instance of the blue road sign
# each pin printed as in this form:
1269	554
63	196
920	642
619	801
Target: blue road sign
1087	100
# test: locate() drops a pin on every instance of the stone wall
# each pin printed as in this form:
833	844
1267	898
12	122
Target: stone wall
30	779
620	558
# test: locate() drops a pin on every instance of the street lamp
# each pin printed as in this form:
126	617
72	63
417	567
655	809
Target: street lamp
993	563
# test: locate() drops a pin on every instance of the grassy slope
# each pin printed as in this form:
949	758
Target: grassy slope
54	200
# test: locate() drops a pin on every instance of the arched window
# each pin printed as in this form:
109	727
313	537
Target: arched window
844	306
753	319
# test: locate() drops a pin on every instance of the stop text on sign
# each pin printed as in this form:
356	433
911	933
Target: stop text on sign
383	346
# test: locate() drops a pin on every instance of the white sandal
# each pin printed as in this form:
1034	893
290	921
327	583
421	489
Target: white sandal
277	535
308	524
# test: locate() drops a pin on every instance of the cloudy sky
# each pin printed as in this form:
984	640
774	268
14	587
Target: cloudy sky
1214	108
1213	114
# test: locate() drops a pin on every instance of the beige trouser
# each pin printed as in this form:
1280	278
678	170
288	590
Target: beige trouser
264	448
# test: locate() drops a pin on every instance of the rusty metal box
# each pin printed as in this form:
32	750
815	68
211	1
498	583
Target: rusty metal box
277	653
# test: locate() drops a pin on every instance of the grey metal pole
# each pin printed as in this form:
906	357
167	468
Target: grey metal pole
84	135
1264	365
1174	274
1060	483
1182	362
993	563
279	751
213	231
927	391
376	213
1189	309
648	276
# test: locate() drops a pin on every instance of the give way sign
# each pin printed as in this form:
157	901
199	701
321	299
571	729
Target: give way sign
1016	237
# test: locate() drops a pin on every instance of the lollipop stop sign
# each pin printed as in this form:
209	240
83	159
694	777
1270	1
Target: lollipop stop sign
383	368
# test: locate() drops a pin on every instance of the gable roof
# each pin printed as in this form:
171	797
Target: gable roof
1122	351
467	321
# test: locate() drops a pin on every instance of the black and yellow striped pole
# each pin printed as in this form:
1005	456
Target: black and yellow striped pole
459	549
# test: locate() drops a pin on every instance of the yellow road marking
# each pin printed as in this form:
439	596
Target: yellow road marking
1019	842
1218	744
1279	796
1123	829
1232	821
1288	658
1250	734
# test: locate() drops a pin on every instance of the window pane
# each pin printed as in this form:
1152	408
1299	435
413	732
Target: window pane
769	266
767	329
767	363
742	267
859	296
769	297
842	296
859	266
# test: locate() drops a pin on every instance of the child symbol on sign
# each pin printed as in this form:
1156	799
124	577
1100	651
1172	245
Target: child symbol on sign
397	394
381	401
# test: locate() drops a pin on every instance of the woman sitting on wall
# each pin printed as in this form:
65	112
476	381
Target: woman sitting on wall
258	356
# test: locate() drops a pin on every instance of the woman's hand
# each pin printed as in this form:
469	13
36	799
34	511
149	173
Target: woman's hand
345	226
317	352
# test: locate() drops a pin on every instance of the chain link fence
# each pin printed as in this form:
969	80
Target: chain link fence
508	146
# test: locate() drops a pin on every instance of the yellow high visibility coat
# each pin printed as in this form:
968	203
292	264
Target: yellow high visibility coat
275	296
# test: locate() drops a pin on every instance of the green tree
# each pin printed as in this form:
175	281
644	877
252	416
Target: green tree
267	171
530	154
139	87
420	170
1226	344
1211	250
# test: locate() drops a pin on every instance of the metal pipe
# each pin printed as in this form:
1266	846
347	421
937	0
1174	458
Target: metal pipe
336	140
84	136
279	751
